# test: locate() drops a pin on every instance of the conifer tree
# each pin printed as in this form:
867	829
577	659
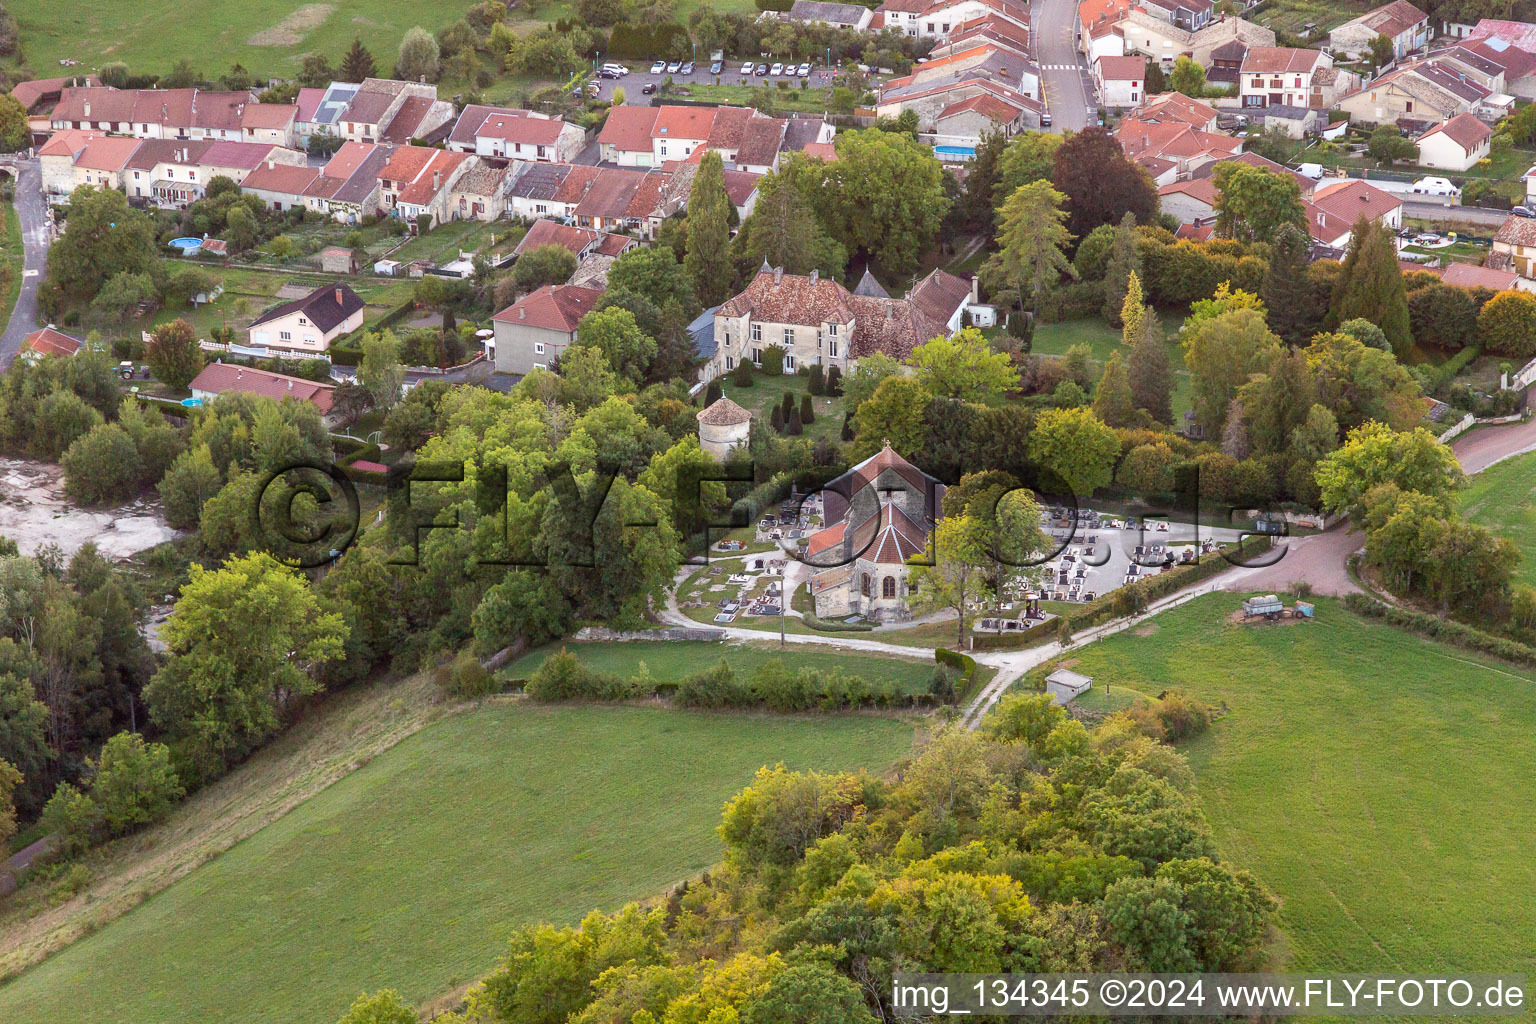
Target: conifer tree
1370	286
1287	291
709	232
1112	400
1150	375
358	63
1123	261
807	412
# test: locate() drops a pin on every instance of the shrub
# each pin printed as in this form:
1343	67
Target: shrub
1507	324
74	880
714	687
1181	716
942	684
465	678
742	375
773	360
564	677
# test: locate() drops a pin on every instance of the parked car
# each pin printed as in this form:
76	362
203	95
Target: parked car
615	70
648	88
1433	186
1045	119
805	70
762	69
746	69
1523	211
674	67
687	67
778	69
717	67
658	67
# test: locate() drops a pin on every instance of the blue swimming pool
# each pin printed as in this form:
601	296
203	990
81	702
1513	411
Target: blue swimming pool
186	245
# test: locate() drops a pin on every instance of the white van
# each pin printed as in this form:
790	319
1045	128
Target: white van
1313	171
1435	187
615	70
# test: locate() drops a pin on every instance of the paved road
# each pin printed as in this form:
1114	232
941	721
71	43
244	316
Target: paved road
35	239
1063	77
1455	214
1480	448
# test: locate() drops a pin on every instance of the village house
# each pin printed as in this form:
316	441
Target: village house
280	186
1122	81
415	183
1336	207
307	326
818	321
1514	247
480	193
962	97
167	173
580	242
1404	24
929	19
217	379
1456	144
1098	33
1144	33
1190	15
372	112
505	133
272	123
1191	202
1176	108
49	343
73	158
347	189
540	326
879	515
154	113
1419	94
39	96
1281	76
320	110
817	12
1170	150
1470	275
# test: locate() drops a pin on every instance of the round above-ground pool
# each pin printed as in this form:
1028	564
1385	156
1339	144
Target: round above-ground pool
188	246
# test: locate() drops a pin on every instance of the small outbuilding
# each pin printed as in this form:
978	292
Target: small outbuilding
338	260
722	426
1065	686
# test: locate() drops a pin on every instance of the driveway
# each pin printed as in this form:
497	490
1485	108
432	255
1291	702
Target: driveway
1063	77
1481	447
35	236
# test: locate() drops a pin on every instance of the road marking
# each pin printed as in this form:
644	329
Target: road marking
29	273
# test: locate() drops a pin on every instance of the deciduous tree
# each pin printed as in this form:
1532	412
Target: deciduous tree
1100	184
173	353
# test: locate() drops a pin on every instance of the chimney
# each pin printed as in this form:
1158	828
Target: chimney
522	313
437	180
87	109
271	164
976	289
778	275
338	295
814	275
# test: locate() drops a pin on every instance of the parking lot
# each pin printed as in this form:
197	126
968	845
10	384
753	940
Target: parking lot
640	76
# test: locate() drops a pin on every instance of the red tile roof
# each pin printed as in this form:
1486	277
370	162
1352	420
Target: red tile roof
1466	275
628	128
224	378
530	131
552	307
1271	60
1350	199
1463	129
402	127
269	115
291	179
683	122
49	342
1122	69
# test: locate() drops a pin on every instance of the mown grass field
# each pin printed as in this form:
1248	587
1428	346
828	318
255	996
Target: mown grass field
1377	783
412	871
1103	341
1503	498
267	36
670	661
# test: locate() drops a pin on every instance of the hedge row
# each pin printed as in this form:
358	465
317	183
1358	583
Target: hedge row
773	686
961	663
1445	630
